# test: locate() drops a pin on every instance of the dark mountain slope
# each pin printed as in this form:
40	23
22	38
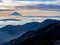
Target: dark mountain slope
10	32
45	36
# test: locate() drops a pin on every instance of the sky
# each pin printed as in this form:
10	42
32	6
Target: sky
48	1
36	11
31	1
27	11
36	0
39	1
31	8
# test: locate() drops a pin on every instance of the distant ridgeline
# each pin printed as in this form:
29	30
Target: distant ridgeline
18	30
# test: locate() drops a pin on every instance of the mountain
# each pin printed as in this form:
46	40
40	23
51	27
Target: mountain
46	36
16	14
29	26
25	30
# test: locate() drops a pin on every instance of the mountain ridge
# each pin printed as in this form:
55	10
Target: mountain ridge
27	28
31	37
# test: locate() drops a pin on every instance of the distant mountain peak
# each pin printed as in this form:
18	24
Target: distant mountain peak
16	14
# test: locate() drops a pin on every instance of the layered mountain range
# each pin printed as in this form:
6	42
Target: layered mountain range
20	33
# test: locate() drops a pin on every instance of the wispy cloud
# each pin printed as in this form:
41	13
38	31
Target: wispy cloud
29	2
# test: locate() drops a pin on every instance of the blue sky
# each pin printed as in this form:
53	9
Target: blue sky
35	0
0	0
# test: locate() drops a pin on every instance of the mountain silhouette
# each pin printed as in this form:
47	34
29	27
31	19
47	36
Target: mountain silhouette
27	27
16	14
31	31
45	36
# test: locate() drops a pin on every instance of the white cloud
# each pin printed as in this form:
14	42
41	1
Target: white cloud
22	3
4	23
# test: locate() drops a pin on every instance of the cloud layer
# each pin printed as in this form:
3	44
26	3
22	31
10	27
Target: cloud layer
28	2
